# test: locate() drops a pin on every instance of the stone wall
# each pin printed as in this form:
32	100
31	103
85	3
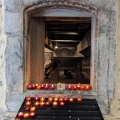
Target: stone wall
11	55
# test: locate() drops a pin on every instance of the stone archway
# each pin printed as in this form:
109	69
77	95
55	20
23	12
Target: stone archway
104	49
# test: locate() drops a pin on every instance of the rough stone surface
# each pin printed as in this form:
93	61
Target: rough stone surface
13	22
14	65
11	55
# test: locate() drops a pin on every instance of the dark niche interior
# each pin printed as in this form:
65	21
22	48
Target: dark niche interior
67	50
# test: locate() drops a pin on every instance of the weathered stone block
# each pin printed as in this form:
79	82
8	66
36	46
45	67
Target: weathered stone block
14	64
13	5
13	22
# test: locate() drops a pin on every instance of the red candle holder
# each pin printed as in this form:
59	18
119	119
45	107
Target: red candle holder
52	87
74	87
47	103
20	114
69	87
42	86
36	98
33	86
62	104
32	114
27	108
29	87
66	99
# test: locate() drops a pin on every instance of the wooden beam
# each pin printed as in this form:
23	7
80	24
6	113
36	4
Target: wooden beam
37	33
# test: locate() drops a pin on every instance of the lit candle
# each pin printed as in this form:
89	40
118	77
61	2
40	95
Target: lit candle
29	87
42	99
71	100
32	114
28	103
33	109
79	100
74	87
20	114
46	86
55	104
28	98
69	87
26	115
55	99
61	99
50	99
33	86
82	87
38	87
47	103
36	98
62	104
66	99
52	87
42	86
36	103
42	104
78	86
88	87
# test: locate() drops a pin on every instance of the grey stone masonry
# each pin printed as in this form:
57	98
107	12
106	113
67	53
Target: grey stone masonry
13	23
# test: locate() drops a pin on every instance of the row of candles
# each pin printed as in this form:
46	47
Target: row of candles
52	87
30	110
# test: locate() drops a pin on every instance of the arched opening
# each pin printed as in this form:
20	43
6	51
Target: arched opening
44	33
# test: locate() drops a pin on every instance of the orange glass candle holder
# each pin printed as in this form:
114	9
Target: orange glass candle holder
28	98
50	99
71	100
42	104
38	87
55	104
79	99
42	99
82	87
28	103
33	109
78	86
26	115
88	87
55	99
61	99
36	103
